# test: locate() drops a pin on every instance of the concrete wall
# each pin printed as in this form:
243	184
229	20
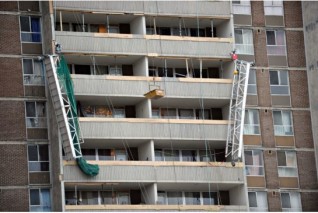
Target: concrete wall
137	26
146	151
141	67
143	109
310	37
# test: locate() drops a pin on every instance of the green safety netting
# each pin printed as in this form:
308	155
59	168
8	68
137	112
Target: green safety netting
66	85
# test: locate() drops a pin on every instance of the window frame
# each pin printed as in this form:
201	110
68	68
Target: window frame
30	32
282	167
255	166
268	46
243	44
292	204
284	126
250	85
38	157
33	75
41	200
269	8
258	207
36	119
255	124
279	82
241	9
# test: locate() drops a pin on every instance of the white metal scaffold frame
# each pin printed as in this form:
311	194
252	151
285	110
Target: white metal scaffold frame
234	142
73	140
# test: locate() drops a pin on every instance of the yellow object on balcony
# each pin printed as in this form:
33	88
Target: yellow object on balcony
155	94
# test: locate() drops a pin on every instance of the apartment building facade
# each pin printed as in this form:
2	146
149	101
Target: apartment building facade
278	138
163	154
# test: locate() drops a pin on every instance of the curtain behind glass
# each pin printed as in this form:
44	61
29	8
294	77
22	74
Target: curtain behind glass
36	30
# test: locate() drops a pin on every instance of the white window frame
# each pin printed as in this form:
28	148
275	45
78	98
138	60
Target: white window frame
273	8
295	203
250	129
272	86
274	49
260	196
243	8
33	78
39	161
252	86
280	129
248	47
40	122
284	169
42	204
30	32
260	167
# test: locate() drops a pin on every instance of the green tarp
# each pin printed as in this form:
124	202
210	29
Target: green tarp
66	85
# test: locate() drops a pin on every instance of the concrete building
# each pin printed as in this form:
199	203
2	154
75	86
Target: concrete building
165	154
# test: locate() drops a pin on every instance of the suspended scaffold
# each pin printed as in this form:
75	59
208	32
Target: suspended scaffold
234	142
64	103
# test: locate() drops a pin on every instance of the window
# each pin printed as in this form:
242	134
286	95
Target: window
174	198
276	42
192	198
251	88
121	155
119	113
35	114
171	155
113	29
254	162
123	198
32	72
115	70
210	198
251	122
40	200
287	165
279	82
257	201
30	29
169	113
244	41
38	156
89	154
241	7
186	114
161	198
273	8
290	202
189	155
89	198
283	122
207	155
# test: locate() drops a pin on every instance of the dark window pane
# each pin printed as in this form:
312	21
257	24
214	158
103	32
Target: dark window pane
33	153
252	199
165	31
248	157
27	66
281	158
44	152
270	35
210	198
277	118
34	197
285	200
30	109
238	37
44	166
273	76
25	24
35	25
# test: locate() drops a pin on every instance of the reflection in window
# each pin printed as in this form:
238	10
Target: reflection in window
254	162
251	122
287	165
283	122
279	82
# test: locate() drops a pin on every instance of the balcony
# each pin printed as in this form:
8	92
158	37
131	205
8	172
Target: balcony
147	208
146	45
160	172
157	129
137	86
186	8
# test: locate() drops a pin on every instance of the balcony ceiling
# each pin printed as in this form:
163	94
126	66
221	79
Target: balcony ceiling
185	103
161	186
159	144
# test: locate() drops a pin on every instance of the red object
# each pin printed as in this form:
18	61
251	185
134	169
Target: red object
234	56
